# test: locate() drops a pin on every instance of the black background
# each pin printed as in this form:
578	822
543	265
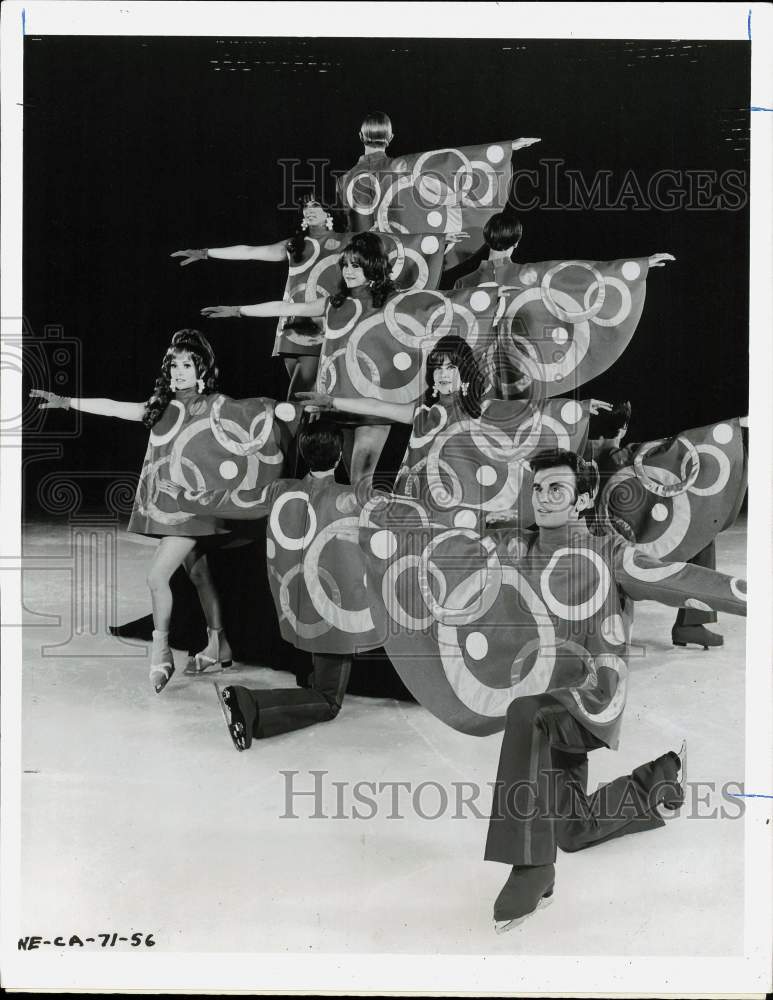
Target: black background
135	147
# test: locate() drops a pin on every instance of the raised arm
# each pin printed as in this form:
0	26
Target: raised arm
660	259
271	252
401	413
100	407
523	142
262	309
595	406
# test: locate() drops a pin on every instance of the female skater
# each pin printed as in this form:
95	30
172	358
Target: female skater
467	454
366	285
298	339
182	394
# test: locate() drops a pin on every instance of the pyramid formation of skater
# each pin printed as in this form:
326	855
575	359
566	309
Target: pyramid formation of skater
501	570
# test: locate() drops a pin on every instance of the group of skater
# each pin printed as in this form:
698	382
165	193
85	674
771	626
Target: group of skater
504	474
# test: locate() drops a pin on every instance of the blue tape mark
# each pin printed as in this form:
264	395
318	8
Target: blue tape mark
755	108
751	795
23	22
749	25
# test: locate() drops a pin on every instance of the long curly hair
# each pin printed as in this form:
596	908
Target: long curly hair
183	342
458	353
367	251
296	242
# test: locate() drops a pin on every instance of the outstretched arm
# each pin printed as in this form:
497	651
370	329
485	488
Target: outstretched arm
401	413
232	505
100	407
679	585
595	406
262	309
272	252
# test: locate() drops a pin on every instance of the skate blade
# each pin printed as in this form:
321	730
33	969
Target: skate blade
503	926
226	716
683	762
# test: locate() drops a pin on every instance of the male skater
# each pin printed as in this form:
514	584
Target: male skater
540	799
316	572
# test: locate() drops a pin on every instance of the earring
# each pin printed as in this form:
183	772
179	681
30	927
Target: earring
328	221
435	393
465	386
200	386
304	225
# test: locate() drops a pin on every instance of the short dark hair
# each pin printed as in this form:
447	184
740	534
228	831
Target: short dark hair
502	231
606	423
376	129
552	458
320	444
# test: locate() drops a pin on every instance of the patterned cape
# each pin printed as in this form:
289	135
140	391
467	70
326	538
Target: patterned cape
564	322
316	567
417	262
674	495
477	620
451	191
466	471
203	443
380	353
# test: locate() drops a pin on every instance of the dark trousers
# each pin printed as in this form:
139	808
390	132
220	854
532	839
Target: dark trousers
282	710
689	616
540	798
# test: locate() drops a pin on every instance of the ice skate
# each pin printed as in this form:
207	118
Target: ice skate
161	662
217	653
699	635
239	712
526	890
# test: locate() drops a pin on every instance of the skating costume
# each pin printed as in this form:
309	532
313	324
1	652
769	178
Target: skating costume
540	798
317	575
315	275
466	469
417	262
566	321
204	442
443	191
381	353
482	620
674	495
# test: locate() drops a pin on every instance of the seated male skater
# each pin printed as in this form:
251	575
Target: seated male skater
316	572
540	799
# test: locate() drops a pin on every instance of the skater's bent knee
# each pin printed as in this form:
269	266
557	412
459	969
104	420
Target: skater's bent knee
156	580
571	840
198	574
522	711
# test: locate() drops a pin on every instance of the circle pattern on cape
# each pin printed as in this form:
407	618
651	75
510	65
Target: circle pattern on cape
589	607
